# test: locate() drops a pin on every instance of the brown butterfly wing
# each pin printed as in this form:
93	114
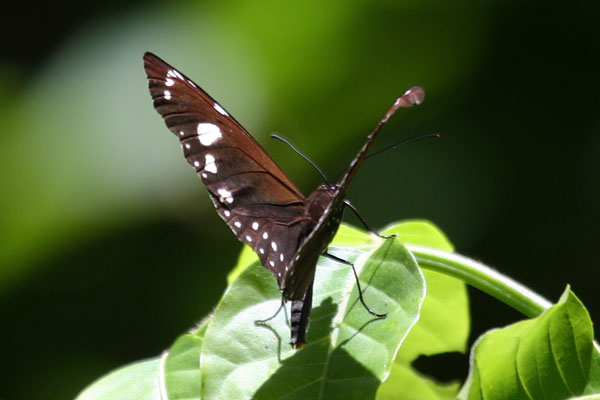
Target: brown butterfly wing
249	190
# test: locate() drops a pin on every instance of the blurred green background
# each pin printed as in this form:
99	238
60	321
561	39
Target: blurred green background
109	246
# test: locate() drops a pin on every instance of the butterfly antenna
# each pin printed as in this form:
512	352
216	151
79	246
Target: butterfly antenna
311	162
393	147
406	141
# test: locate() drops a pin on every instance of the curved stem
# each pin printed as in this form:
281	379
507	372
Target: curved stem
483	278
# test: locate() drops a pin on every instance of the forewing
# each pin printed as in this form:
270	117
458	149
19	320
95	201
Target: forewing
205	128
249	190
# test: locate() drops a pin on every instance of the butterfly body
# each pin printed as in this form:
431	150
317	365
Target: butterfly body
325	216
263	208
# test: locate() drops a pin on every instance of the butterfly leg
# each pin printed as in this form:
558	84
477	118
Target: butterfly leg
282	306
347	203
360	295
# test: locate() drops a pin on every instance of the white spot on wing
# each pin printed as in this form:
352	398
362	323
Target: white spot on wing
181	133
272	263
204	175
220	110
167	95
169	82
188	146
209	164
208	133
248	238
265	235
255	226
225	196
274	246
281	257
238	224
261	250
174	74
196	164
227	213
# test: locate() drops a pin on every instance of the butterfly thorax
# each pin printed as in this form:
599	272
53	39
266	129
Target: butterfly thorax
325	205
321	204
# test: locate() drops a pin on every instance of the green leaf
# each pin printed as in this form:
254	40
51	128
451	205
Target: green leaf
443	327
548	357
137	381
247	258
593	385
406	383
350	236
420	233
348	354
182	366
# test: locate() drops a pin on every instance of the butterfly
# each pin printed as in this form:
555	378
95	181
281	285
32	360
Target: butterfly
261	205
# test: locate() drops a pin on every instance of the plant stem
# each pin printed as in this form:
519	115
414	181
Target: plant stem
483	278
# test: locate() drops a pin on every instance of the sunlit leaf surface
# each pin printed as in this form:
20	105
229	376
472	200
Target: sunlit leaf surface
137	381
548	357
348	352
443	326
